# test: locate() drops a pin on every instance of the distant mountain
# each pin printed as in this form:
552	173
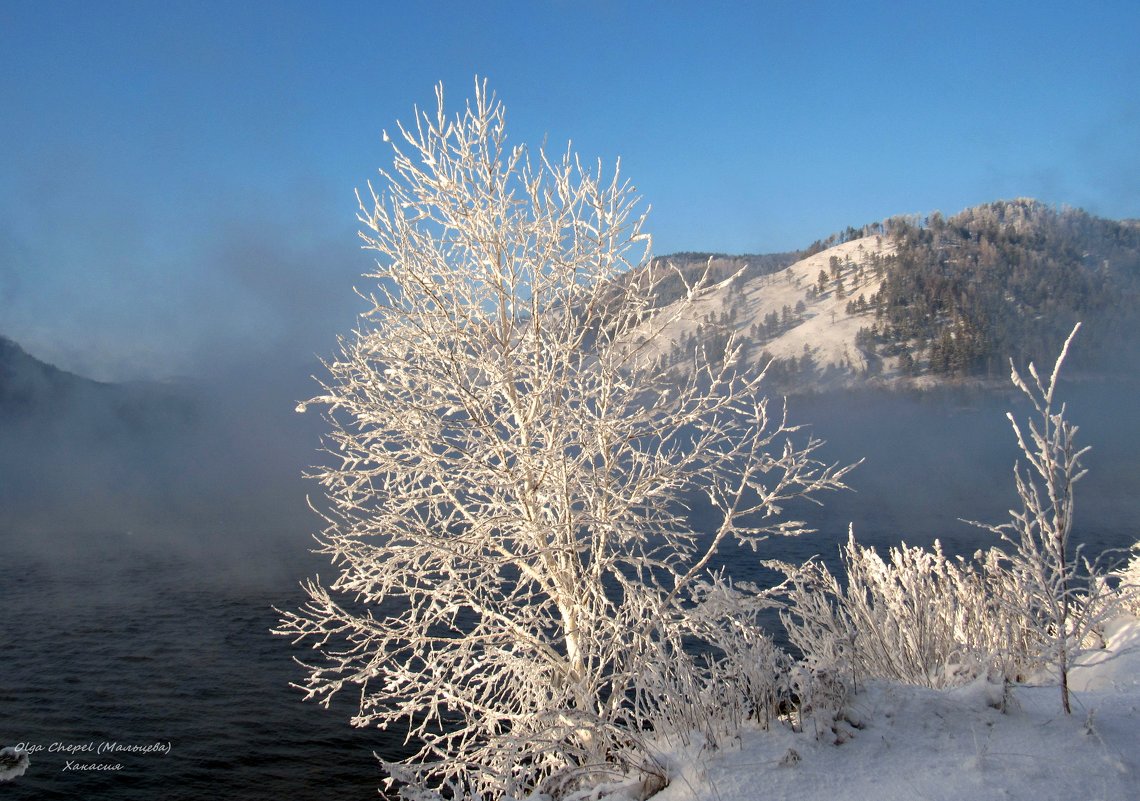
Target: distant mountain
920	301
29	386
31	389
81	455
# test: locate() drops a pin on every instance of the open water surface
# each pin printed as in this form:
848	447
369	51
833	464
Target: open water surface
108	638
137	648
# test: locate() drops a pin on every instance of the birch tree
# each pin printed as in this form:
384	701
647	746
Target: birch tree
509	474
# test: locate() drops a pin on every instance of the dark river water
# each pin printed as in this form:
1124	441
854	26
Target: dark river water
140	649
162	652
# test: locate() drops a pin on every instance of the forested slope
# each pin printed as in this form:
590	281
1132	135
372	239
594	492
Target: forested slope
962	295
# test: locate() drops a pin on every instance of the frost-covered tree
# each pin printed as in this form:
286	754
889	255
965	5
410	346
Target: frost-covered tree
1056	593
509	478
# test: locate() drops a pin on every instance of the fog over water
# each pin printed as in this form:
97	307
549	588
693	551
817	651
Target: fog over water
142	559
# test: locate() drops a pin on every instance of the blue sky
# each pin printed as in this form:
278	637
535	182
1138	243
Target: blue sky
177	179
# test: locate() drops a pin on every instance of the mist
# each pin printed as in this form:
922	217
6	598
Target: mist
206	471
177	431
211	469
935	459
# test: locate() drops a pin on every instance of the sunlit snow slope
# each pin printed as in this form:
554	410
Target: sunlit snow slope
819	323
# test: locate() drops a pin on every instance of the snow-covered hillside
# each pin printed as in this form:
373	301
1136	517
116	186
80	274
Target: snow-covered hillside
809	310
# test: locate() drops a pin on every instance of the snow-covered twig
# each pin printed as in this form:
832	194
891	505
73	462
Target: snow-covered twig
508	477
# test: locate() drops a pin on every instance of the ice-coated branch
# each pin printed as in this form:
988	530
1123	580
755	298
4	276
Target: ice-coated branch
1049	586
507	477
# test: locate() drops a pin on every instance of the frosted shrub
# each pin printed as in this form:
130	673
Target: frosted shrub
518	587
713	694
924	619
918	618
1128	587
1056	595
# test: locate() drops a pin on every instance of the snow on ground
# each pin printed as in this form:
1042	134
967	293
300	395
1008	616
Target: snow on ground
916	744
